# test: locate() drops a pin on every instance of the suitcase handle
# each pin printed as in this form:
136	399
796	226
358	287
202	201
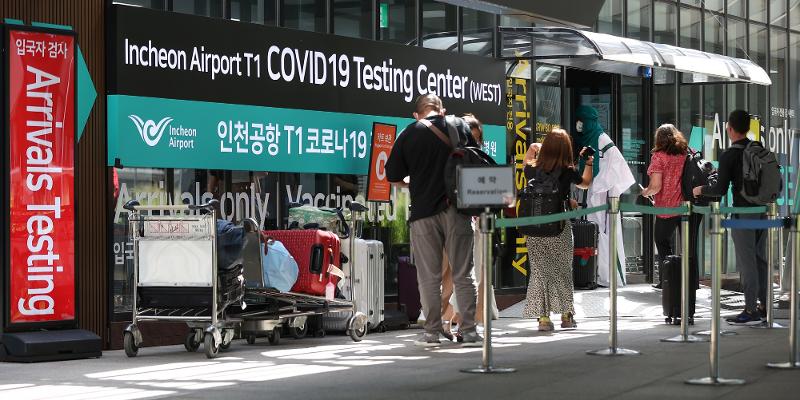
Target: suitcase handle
317	257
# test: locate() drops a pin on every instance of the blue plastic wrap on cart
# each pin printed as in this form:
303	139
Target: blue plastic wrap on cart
752	224
280	268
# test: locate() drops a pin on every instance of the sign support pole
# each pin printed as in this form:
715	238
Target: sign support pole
487	367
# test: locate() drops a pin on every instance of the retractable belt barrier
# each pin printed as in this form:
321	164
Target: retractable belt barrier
718	225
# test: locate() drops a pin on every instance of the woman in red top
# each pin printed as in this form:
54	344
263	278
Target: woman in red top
666	167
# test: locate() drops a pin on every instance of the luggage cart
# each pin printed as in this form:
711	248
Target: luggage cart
175	275
268	310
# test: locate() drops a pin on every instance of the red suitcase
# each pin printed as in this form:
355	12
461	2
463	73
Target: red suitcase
314	250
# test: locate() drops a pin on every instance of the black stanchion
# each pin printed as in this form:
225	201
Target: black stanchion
612	349
794	356
685	337
716	278
487	367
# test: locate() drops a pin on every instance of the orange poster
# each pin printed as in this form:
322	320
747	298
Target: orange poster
379	188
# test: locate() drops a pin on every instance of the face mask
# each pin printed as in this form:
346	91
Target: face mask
579	126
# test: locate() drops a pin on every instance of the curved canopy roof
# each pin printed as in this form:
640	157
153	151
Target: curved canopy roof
607	53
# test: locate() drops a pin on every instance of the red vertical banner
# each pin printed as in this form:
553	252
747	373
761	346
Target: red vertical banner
41	126
379	188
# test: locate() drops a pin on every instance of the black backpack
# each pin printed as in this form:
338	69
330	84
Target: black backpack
696	172
461	154
762	181
542	196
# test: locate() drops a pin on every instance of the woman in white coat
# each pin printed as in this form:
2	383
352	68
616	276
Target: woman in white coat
612	177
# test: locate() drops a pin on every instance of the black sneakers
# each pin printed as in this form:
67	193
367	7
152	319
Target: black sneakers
745	318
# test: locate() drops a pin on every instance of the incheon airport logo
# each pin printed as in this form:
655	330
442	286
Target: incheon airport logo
150	131
180	137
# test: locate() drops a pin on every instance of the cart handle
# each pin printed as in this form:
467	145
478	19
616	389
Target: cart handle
357	207
133	205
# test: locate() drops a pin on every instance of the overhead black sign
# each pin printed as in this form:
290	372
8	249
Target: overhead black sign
178	56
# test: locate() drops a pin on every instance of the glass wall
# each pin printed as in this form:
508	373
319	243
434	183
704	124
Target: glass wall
353	18
255	11
639	19
306	15
401	24
207	8
610	18
478	32
439	25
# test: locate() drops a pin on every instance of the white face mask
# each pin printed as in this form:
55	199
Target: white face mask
579	126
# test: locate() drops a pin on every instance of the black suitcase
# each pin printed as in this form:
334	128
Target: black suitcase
671	290
584	261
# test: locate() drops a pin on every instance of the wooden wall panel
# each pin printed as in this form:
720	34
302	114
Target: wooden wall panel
87	17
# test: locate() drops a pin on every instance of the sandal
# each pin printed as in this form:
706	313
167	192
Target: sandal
568	321
545	325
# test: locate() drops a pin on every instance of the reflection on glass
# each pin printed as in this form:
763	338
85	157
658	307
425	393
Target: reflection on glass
154	4
778	111
149	187
690	29
353	18
714	34
715	5
689	102
306	15
737	38
665	25
439	25
664	102
758	10
610	18
737	7
255	11
758	53
777	12
478	32
639	19
206	8
402	21
794	14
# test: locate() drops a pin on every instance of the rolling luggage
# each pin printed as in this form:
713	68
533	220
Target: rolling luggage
364	285
407	288
671	290
584	261
314	250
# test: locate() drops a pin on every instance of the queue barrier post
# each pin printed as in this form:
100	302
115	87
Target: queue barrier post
613	349
716	278
685	337
487	366
794	357
772	215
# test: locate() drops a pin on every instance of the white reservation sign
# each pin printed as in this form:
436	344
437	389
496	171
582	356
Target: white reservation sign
486	186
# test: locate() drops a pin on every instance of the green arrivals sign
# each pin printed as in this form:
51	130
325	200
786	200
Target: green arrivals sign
168	133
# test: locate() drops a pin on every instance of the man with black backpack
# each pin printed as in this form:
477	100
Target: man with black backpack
421	153
753	185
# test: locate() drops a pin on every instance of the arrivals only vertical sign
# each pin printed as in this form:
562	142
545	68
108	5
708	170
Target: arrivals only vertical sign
41	126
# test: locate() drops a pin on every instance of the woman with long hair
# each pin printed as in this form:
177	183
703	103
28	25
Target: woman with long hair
550	287
666	167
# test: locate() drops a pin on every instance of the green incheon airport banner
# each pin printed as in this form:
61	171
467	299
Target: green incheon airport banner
169	133
186	91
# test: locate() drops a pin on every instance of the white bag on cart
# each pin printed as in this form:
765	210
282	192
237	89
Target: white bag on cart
280	268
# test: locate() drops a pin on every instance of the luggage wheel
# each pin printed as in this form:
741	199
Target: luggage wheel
193	340
275	336
357	327
210	345
251	339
